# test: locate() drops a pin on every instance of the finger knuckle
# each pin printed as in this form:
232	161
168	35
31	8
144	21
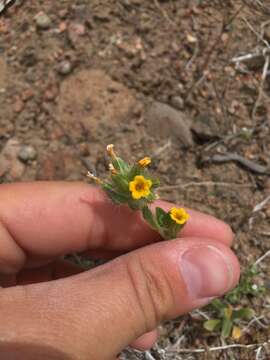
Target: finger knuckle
152	291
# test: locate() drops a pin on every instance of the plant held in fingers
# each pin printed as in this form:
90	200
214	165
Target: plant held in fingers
135	186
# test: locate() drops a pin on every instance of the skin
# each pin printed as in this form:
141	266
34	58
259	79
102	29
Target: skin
50	309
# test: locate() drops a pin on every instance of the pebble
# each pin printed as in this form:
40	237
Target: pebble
163	121
65	67
43	21
178	102
205	128
9	164
27	153
18	105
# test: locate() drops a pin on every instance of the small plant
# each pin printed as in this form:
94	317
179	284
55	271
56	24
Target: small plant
135	186
226	318
246	287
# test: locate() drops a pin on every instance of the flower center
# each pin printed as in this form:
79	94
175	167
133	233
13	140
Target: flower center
140	186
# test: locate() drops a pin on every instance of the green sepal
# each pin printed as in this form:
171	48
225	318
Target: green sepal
136	204
116	197
226	327
121	183
121	166
211	324
149	217
155	183
175	228
151	197
134	171
161	216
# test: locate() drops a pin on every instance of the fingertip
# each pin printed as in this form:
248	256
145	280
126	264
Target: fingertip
204	225
146	341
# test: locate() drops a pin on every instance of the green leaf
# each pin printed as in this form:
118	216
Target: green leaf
149	217
226	327
218	304
134	171
114	196
244	313
121	183
155	183
121	166
161	216
151	197
211	324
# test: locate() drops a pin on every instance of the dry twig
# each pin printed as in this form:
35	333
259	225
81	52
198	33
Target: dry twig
221	348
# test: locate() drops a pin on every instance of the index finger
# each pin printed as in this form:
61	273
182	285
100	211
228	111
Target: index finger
48	219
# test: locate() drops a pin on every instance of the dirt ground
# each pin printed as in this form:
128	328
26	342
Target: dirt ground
183	81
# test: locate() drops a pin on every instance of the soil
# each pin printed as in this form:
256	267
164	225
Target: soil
78	75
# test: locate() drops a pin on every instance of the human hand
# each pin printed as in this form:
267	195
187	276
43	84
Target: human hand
56	312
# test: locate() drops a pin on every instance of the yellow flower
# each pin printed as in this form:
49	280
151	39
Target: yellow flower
145	161
236	333
179	215
140	187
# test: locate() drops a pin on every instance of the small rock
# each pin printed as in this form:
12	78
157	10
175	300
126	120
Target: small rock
163	121
50	93
9	164
27	94
64	68
191	39
63	13
205	128
74	32
43	21
18	105
177	102
27	153
62	27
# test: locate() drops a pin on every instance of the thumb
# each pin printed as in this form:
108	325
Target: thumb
96	314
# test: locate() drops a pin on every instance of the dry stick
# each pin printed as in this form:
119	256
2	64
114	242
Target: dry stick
264	256
260	37
246	57
264	24
260	93
263	7
221	102
203	183
261	205
220	348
